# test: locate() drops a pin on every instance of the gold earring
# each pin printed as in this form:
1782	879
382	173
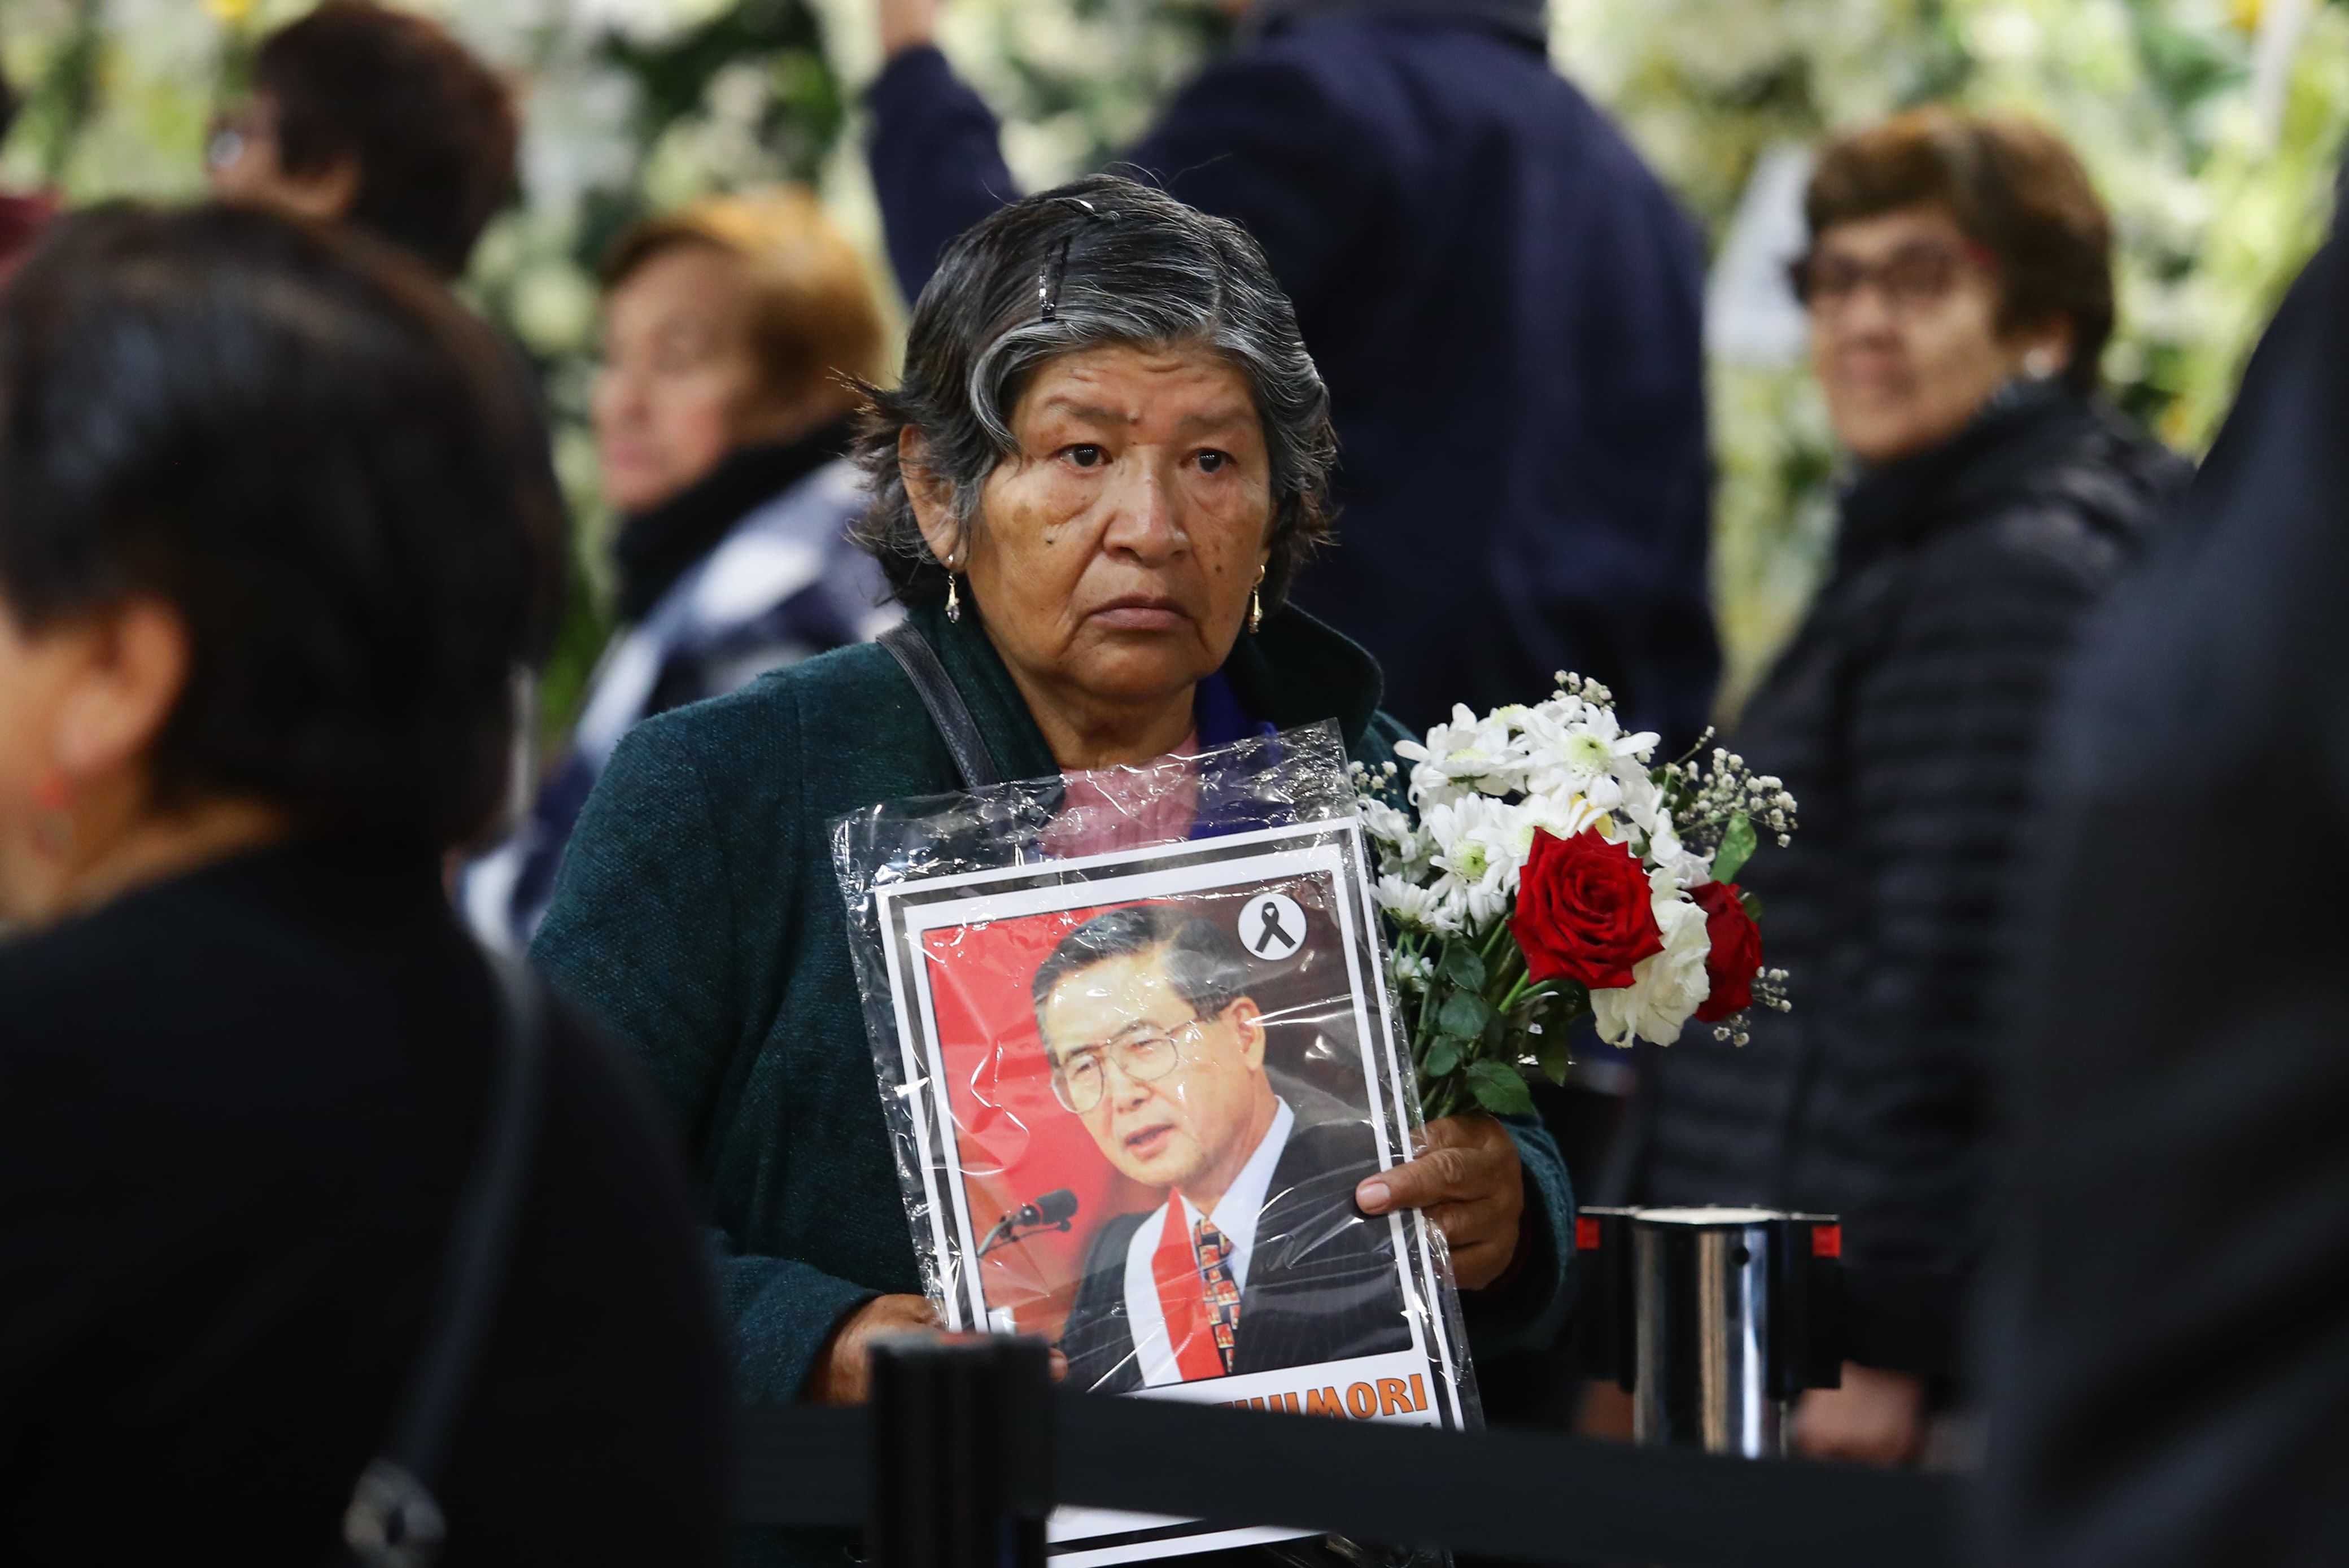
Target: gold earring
1256	603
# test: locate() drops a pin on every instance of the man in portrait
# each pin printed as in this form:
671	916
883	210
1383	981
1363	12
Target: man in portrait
1259	1258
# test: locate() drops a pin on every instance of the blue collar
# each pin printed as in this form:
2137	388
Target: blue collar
1216	712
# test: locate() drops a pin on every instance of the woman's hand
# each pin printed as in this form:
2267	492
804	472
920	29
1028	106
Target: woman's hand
1877	1418
843	1373
1470	1182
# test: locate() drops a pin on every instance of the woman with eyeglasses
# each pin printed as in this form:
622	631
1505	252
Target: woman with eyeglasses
1958	284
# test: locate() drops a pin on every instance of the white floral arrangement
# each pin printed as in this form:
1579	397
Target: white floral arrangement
1537	867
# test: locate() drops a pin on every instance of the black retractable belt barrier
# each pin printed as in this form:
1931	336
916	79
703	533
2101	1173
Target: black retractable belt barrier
1493	1493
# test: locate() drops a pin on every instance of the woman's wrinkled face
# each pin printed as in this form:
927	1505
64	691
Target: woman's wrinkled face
680	384
1116	549
1904	331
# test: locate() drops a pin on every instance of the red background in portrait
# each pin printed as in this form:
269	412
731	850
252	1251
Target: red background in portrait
1015	1141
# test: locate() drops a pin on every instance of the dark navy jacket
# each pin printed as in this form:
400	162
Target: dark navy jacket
1506	306
1905	717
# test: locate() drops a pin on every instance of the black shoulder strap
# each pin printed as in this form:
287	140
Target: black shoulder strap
393	1520
920	662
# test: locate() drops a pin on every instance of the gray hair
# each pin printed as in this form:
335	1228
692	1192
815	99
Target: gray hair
1102	261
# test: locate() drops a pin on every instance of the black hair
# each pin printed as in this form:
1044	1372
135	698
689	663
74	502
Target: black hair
432	129
1101	261
1203	963
327	467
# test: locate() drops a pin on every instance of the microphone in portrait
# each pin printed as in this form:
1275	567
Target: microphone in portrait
1053	1211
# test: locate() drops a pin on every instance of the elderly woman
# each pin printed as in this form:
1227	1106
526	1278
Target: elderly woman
275	528
1102	468
733	331
1959	288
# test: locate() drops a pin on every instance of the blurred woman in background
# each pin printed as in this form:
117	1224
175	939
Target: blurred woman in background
362	114
733	332
274	532
1960	289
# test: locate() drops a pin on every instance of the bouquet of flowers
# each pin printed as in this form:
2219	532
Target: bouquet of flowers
1537	868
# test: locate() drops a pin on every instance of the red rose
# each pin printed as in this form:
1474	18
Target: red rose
1583	911
1736	954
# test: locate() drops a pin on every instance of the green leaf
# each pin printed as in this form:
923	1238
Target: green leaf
1737	846
1500	1088
1443	1057
1463	1016
1550	1048
1753	905
1464	966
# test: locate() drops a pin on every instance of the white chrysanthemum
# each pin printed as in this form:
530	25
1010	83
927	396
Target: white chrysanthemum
1468	755
1667	987
1386	822
1414	907
1642	802
1508	835
1572	750
1472	887
1666	852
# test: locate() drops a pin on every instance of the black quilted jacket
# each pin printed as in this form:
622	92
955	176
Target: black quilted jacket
1904	717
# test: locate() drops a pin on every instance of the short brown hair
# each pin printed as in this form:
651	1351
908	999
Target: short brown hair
2014	187
812	308
430	129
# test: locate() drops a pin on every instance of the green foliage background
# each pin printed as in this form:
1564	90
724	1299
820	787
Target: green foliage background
2213	127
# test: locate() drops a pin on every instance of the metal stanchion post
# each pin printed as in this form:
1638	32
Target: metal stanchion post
962	1453
1716	1320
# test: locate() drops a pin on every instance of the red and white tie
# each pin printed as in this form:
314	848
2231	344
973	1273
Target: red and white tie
1196	1296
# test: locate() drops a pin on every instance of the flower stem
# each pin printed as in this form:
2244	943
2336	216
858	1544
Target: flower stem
1521	990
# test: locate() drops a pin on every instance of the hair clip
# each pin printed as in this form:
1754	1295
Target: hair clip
1049	278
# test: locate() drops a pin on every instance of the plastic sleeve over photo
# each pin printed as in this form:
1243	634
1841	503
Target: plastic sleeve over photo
1134	1040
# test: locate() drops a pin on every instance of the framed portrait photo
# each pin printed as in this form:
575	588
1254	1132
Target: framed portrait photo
1136	1094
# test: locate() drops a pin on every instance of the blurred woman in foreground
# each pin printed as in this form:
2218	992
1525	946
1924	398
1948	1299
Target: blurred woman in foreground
1960	290
731	329
273	537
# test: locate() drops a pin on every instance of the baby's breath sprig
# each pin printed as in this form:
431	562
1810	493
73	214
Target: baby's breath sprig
1769	991
1595	693
1724	805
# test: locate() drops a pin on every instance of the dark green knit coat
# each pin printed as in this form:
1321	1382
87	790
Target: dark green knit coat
697	915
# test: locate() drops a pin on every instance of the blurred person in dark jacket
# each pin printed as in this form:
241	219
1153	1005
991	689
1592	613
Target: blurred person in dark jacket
2168	1368
275	530
363	115
734	332
1960	289
1505	305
